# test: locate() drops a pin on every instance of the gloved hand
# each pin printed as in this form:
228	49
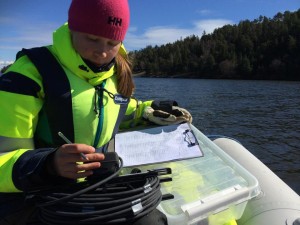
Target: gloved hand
175	116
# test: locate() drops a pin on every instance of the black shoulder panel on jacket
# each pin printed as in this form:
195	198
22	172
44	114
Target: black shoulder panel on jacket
58	98
17	83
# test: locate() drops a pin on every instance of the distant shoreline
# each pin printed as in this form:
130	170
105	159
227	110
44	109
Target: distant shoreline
140	74
181	75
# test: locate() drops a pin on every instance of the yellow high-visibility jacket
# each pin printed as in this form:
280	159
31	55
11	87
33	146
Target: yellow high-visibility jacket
31	113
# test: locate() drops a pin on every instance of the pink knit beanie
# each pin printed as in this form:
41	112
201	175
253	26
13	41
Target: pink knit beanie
105	18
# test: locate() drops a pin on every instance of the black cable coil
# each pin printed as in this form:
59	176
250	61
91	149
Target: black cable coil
113	200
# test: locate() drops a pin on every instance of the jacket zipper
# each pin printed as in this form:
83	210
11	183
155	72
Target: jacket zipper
99	93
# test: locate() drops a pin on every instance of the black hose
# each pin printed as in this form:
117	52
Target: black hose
113	200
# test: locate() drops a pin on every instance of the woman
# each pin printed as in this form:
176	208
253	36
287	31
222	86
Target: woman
84	92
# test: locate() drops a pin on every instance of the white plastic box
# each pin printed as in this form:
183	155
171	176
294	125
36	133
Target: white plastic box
208	190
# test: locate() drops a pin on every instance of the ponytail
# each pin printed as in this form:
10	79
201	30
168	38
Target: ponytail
124	75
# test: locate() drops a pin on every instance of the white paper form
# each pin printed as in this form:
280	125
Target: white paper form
155	145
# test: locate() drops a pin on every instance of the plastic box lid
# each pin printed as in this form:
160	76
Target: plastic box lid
212	189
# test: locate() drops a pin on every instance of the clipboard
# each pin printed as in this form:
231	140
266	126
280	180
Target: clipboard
157	145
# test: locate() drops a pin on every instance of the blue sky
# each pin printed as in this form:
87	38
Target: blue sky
30	23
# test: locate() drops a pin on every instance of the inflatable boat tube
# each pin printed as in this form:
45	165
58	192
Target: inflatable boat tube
277	203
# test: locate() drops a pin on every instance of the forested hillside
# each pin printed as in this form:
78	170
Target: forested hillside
266	48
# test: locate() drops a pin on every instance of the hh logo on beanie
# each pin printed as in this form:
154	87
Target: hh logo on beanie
114	21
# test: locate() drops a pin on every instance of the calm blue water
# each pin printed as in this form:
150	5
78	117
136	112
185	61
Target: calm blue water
263	115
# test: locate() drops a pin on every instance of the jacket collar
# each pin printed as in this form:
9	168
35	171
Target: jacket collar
71	60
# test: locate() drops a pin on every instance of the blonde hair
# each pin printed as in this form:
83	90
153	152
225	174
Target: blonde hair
124	75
